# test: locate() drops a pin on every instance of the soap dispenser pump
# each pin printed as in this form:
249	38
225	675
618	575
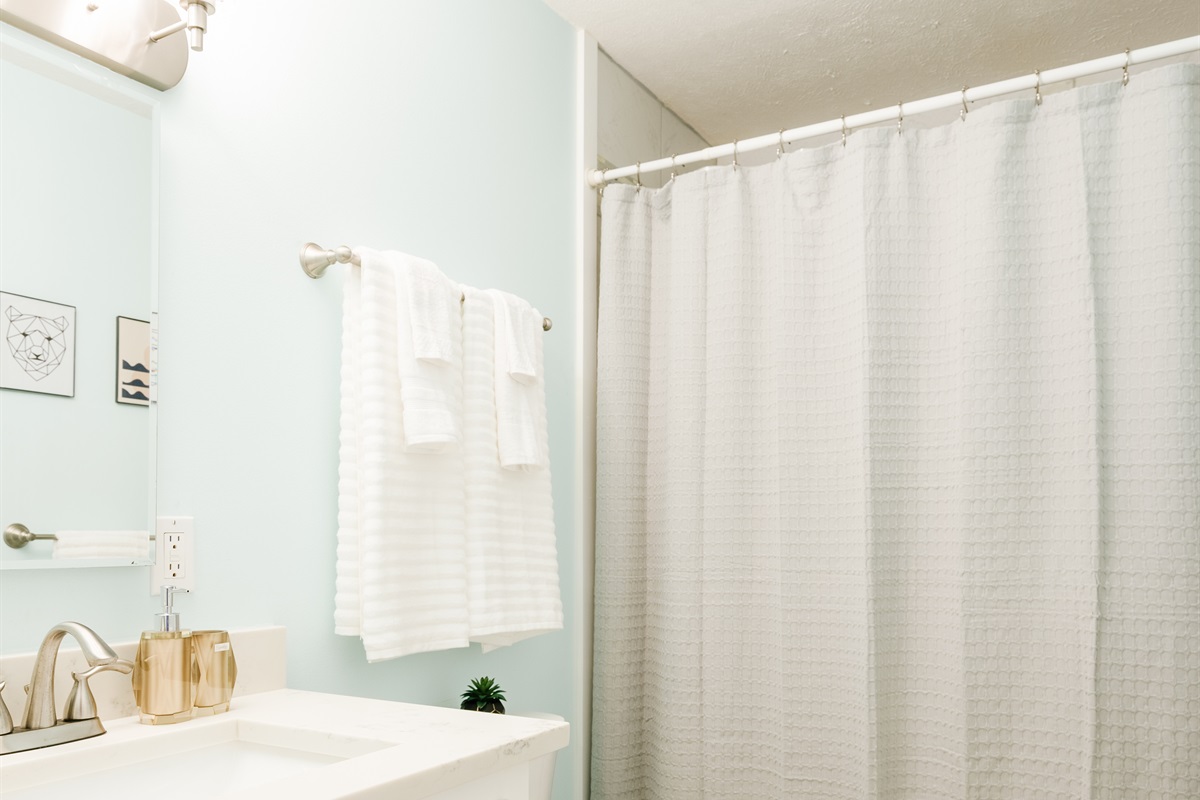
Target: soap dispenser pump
164	669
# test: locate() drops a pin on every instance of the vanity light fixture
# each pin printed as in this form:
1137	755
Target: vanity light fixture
197	12
130	37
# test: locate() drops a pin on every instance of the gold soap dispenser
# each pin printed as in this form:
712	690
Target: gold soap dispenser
165	667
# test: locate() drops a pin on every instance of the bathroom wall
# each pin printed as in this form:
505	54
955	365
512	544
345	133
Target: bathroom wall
444	129
635	126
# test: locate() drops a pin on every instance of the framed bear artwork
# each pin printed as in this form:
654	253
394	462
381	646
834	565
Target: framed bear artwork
38	354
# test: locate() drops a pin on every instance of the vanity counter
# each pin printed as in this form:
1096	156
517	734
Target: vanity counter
385	749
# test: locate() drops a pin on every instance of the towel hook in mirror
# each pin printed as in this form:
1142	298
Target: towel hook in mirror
17	536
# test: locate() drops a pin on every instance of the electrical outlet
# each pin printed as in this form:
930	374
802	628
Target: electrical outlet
174	554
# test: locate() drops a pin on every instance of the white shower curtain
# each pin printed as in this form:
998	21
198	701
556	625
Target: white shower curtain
899	464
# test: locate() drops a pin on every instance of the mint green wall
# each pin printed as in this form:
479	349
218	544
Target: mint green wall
445	129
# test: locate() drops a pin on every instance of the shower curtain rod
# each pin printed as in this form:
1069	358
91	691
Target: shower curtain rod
314	260
843	125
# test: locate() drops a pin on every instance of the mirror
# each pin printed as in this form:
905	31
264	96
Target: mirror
78	248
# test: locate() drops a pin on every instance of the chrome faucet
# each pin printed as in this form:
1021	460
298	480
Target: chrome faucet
41	726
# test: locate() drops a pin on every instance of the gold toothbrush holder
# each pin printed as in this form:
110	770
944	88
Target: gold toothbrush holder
216	672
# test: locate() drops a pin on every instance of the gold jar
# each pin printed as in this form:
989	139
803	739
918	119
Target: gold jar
216	672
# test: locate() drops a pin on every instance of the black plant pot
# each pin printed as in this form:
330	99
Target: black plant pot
489	707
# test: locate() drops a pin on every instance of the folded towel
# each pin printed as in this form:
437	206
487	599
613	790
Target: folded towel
433	309
519	387
518	331
512	561
401	581
430	388
102	544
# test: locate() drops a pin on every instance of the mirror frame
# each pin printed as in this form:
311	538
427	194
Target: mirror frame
31	53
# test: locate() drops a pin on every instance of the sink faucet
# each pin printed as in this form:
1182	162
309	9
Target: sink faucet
41	726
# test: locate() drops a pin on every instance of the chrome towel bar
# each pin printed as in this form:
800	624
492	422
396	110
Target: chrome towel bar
314	260
17	536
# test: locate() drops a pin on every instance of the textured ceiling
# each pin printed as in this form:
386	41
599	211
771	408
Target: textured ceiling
740	68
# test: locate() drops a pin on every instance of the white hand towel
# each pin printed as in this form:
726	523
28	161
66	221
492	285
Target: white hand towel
401	576
430	387
434	310
518	330
519	386
102	544
512	561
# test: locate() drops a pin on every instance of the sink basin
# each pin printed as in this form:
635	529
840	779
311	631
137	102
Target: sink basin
291	743
193	761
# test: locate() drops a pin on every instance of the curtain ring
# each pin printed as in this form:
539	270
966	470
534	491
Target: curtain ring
845	130
735	164
1037	88
639	176
779	150
962	115
672	166
900	119
1125	69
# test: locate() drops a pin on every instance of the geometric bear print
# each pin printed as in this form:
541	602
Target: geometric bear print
37	343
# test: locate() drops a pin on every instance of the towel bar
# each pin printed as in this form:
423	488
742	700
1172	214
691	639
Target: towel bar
314	260
17	536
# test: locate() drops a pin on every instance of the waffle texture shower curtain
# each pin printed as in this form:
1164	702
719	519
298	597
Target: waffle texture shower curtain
899	464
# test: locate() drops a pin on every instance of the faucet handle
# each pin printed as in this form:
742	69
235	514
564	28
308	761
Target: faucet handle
81	703
6	723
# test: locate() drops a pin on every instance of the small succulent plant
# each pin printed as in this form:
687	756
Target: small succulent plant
483	694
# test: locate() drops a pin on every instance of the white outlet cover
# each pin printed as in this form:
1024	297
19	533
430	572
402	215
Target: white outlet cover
174	554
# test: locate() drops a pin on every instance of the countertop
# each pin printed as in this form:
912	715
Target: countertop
422	750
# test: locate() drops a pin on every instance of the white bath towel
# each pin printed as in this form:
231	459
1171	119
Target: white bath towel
519	387
401	580
102	544
512	561
428	348
347	596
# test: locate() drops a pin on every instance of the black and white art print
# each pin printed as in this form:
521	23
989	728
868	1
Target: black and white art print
133	361
38	354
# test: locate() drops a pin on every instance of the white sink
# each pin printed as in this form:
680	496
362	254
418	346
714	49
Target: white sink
294	744
191	761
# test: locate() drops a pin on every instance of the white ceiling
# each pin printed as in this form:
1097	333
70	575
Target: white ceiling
739	68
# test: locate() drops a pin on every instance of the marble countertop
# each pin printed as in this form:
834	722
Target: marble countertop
415	750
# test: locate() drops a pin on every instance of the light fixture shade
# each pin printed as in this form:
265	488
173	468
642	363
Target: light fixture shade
114	35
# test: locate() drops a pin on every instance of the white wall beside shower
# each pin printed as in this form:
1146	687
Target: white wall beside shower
635	126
